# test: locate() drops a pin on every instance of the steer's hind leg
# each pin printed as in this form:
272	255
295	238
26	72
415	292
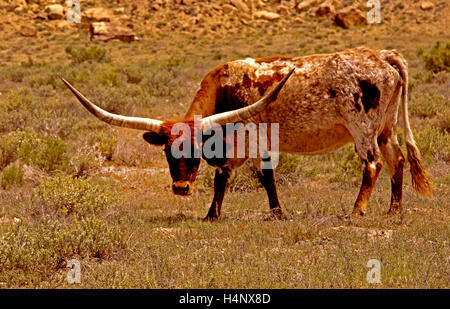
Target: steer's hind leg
220	185
370	158
267	178
395	160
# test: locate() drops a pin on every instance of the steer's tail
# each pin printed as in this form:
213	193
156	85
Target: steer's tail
420	177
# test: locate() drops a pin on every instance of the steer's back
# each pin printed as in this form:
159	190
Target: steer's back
314	107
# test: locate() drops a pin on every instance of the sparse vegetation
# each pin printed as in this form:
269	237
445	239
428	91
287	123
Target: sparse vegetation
47	153
74	187
11	175
438	59
74	195
37	251
90	53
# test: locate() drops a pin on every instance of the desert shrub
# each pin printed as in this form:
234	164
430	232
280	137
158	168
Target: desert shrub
47	153
92	53
438	59
133	74
17	110
109	79
8	149
46	75
48	245
84	163
80	196
433	144
162	83
50	154
105	142
12	175
289	164
347	162
444	121
21	109
243	179
172	63
18	99
428	105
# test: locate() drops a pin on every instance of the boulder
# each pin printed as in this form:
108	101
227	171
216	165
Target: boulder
96	14
267	15
63	24
41	15
54	11
226	8
349	17
306	5
326	9
28	31
240	5
427	5
102	31
19	6
119	11
283	10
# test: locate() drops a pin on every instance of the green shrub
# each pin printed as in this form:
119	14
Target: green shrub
74	195
428	105
105	142
346	164
84	163
8	149
133	74
110	79
438	59
92	53
162	83
44	152
48	245
18	99
49	154
289	164
433	144
12	175
243	179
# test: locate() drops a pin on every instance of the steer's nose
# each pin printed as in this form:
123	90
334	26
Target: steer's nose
181	188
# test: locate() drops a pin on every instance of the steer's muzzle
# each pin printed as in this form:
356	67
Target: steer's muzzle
182	187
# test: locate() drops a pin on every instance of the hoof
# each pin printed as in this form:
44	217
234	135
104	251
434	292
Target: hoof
358	213
394	210
277	213
209	218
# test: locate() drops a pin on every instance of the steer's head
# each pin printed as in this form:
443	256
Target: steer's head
177	138
180	147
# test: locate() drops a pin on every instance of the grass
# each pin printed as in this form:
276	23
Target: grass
73	187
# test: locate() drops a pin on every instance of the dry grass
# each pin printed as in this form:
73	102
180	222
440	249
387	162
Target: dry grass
163	242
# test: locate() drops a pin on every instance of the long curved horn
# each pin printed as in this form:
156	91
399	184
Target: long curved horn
245	112
138	123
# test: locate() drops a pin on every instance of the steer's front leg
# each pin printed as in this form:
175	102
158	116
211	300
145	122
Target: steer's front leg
267	179
220	185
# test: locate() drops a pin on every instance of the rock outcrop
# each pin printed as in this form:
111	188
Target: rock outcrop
349	17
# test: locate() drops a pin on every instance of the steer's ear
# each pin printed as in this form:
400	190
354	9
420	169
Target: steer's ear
155	138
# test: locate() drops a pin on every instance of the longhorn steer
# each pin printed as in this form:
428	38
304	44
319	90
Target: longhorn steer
330	100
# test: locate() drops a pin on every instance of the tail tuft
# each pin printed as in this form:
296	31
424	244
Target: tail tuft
421	179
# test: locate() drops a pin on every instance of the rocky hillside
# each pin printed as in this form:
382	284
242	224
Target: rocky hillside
128	20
